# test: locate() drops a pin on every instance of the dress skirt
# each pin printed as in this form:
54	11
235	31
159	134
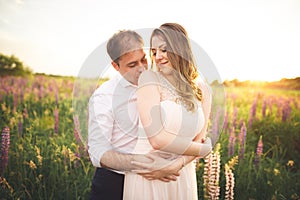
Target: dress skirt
137	187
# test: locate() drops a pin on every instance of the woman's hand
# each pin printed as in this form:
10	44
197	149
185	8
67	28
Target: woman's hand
158	168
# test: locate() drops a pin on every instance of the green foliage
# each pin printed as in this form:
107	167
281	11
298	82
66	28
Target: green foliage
11	65
47	165
42	164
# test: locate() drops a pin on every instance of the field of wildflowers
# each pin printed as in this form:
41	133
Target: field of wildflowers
257	155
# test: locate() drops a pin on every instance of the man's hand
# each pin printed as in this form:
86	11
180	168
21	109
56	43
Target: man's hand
153	166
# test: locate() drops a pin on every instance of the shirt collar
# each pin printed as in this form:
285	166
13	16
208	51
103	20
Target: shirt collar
123	82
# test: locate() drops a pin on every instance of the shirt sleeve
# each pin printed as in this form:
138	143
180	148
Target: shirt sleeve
100	127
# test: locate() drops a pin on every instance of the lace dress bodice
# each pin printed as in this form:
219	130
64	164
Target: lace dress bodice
175	117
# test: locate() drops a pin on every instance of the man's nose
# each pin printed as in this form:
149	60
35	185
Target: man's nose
141	68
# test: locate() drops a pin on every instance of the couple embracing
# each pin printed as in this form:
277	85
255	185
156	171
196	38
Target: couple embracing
147	126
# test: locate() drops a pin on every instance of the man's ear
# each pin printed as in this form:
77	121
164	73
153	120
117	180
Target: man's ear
115	65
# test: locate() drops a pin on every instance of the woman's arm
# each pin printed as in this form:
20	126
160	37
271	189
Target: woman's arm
150	115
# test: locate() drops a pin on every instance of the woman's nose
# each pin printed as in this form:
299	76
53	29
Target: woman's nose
158	54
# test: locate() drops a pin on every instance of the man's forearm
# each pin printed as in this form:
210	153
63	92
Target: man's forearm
121	161
116	160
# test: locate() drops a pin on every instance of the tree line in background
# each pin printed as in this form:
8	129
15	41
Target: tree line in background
284	83
12	66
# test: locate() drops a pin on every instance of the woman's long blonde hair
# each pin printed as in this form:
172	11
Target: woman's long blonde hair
180	55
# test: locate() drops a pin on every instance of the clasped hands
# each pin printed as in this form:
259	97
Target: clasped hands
153	166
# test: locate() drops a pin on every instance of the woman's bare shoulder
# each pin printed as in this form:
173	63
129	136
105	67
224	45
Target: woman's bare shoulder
148	76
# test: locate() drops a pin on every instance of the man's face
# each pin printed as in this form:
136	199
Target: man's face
131	65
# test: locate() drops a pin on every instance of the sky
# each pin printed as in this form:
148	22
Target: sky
247	40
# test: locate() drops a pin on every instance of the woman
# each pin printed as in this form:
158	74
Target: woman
174	111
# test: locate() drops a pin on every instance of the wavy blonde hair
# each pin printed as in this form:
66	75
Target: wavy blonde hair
180	55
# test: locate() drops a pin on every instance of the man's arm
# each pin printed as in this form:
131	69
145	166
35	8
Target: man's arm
100	127
152	166
122	162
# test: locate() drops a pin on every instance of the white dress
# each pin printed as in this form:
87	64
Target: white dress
177	120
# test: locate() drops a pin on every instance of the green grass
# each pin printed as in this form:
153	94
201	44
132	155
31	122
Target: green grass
43	164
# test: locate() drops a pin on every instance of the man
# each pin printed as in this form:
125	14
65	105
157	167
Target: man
113	123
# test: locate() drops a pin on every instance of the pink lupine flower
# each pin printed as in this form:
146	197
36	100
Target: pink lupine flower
21	96
25	113
252	113
5	141
41	92
242	140
15	101
231	143
225	124
286	110
234	118
215	126
279	104
56	97
56	120
264	107
270	105
259	151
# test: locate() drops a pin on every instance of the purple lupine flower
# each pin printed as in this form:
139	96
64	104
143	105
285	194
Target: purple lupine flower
231	143
41	92
286	111
234	118
56	120
259	151
241	123
56	97
264	107
270	105
50	88
279	103
225	124
21	96
5	141
252	113
12	80
25	113
242	140
15	101
215	127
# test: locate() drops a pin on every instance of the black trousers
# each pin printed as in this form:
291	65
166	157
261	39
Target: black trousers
107	185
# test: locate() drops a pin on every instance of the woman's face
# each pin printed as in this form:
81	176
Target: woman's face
159	55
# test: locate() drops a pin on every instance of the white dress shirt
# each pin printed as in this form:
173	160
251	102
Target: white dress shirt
113	119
